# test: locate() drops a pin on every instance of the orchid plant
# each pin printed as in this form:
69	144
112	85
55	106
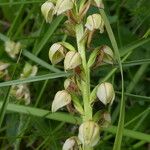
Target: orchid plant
77	95
20	92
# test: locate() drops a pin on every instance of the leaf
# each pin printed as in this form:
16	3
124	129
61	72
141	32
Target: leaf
65	117
77	104
34	79
93	95
93	57
20	2
133	46
119	133
3	37
67	46
42	113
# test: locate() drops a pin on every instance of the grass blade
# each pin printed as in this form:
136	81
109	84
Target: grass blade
6	99
4	106
136	62
133	46
19	3
130	133
144	98
43	113
119	133
15	22
59	116
137	77
34	79
3	37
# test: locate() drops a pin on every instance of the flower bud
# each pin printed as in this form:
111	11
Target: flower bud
71	144
70	85
3	69
95	22
69	28
3	66
67	83
29	71
89	133
108	54
63	6
106	120
56	53
12	48
47	10
61	99
21	92
34	71
106	93
72	60
99	3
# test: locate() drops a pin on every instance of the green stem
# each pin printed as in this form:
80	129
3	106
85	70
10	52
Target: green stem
86	82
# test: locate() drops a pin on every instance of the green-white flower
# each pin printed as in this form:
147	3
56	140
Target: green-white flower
21	92
67	83
69	28
106	93
89	133
108	54
71	144
70	85
29	71
3	65
47	10
61	99
72	60
63	6
56	53
12	48
106	119
99	3
3	69
95	22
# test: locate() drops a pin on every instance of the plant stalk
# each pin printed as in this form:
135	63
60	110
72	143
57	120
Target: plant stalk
86	81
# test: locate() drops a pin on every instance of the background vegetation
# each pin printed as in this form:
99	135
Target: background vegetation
33	126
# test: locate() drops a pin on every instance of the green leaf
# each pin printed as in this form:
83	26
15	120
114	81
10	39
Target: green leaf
77	104
67	46
20	2
133	46
34	79
130	133
93	57
3	37
43	113
60	116
93	95
15	22
119	133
